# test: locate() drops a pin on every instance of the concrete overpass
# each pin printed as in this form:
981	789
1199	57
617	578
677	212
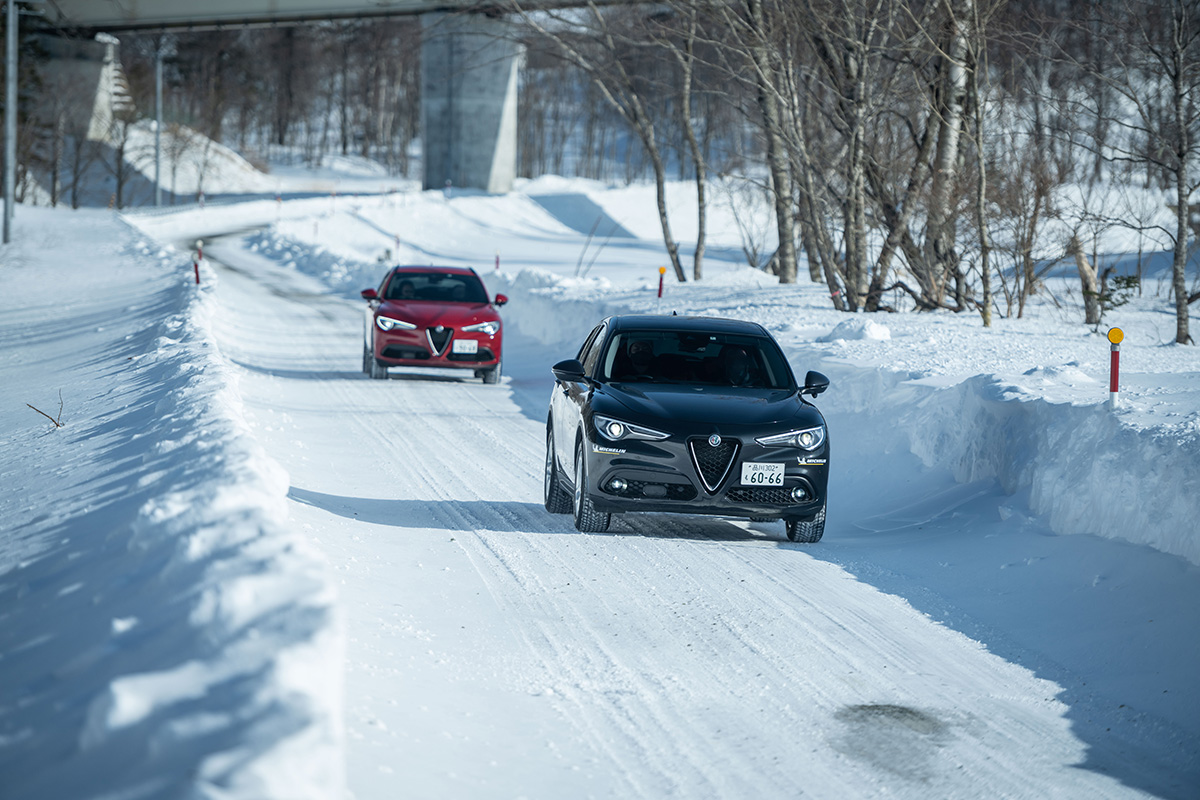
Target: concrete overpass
115	16
469	68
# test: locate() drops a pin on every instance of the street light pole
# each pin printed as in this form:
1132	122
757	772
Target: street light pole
158	92
10	118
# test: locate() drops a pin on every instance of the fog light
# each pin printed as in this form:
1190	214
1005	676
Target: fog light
799	495
618	485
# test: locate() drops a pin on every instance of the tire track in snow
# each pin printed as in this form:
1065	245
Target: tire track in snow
691	656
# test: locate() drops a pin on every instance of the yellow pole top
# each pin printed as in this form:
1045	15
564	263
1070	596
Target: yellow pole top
1115	335
662	270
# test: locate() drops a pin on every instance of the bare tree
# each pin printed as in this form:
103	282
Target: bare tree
1153	65
599	43
681	44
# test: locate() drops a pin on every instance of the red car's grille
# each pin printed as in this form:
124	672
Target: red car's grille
438	339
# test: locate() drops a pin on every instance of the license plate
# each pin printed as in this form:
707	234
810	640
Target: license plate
464	346
760	474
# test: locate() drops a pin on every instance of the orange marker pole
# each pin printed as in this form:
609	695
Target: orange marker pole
661	272
1115	336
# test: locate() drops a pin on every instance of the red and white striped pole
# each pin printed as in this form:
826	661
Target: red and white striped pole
1115	335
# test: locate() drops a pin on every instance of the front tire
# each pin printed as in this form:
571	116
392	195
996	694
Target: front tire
367	359
556	499
492	375
587	518
378	371
807	531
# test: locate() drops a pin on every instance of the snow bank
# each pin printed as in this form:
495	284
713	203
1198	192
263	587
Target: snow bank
856	328
1087	469
194	650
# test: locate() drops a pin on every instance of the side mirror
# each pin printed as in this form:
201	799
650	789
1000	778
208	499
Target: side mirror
569	371
501	299
814	384
369	294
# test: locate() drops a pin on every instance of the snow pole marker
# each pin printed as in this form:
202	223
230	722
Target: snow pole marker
497	261
196	261
661	272
1115	336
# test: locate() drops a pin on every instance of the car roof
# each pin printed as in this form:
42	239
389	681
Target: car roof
649	322
431	268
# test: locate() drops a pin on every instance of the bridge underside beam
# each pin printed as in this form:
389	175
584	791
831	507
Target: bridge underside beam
158	14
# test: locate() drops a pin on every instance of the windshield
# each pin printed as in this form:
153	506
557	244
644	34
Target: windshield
703	359
437	287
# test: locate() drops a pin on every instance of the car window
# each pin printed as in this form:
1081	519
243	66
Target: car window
591	337
591	355
696	358
437	287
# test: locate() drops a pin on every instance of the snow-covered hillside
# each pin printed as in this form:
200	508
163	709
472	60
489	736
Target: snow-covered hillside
241	569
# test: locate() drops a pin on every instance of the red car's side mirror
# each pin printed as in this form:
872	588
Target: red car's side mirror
501	299
370	294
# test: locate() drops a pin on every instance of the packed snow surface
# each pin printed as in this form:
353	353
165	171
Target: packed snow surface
241	568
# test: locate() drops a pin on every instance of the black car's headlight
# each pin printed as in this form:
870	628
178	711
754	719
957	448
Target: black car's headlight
615	430
490	328
806	439
387	323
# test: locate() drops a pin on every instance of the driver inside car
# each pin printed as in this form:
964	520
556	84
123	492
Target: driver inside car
737	366
641	357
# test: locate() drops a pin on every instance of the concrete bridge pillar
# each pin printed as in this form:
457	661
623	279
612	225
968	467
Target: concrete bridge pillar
469	101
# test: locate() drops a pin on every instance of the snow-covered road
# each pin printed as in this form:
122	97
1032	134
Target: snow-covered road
492	651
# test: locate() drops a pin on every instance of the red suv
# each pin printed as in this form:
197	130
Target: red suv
432	317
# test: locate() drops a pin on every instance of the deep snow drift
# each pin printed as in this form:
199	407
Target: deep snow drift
167	628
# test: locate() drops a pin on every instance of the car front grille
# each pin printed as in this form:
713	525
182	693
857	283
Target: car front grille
760	495
406	353
483	355
713	463
438	339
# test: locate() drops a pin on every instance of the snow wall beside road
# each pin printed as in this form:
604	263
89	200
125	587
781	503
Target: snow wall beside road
1086	470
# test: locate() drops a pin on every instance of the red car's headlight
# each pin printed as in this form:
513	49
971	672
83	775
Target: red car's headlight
491	328
387	323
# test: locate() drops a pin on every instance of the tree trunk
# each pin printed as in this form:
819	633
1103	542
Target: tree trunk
1183	145
777	161
1087	278
978	64
687	64
941	257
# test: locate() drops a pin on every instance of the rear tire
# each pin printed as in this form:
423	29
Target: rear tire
492	375
807	531
556	498
587	518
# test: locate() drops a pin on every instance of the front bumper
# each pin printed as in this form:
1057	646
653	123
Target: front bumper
665	476
427	348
